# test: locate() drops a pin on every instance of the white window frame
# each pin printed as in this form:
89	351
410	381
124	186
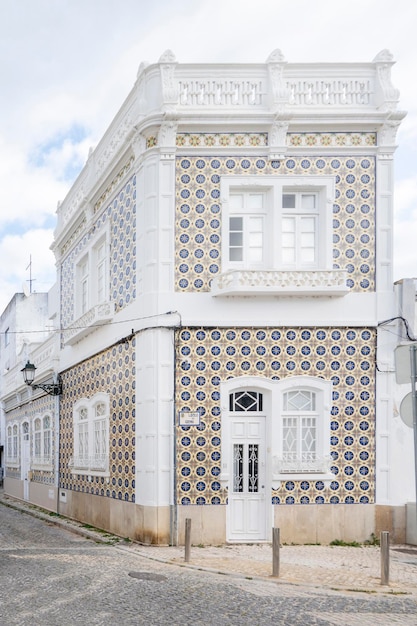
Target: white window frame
298	215
92	276
91	423
100	273
323	187
42	442
12	450
246	213
302	465
273	407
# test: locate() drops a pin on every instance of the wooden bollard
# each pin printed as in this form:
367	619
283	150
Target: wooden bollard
275	552
384	557
187	540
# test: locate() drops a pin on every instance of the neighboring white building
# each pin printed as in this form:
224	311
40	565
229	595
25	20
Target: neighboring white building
29	416
228	311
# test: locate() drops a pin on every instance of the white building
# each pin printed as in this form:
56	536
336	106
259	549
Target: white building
29	417
228	313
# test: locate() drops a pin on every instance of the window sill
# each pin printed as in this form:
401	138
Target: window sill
280	283
85	471
45	466
97	316
13	464
302	469
90	467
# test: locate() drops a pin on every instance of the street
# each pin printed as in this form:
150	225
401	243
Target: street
52	577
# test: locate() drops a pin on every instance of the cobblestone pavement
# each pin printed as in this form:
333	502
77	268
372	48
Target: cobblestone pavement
50	576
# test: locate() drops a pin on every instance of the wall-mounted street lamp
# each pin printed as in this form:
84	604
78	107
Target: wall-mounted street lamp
54	389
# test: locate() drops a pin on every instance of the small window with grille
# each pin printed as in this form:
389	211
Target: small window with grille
246	401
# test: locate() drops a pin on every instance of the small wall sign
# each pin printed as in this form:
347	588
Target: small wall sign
189	418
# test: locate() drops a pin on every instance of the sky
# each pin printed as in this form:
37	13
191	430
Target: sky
66	67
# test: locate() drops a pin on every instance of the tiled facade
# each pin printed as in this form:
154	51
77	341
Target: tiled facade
120	217
111	372
206	357
198	223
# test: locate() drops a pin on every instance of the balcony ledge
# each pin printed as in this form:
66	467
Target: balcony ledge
280	283
97	316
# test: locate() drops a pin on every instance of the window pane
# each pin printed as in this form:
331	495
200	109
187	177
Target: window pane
100	409
47	444
289	438
236	239
238	467
308	201
288	256
288	200
255	240
253	455
255	255
256	201
308	225
299	400
236	254
37	444
236	201
236	223
101	282
288	240
307	256
307	240
288	225
256	224
308	437
245	401
83	414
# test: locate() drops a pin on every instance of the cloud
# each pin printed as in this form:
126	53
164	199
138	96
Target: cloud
405	229
16	251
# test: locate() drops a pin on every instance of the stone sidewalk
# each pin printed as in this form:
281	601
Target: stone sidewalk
344	568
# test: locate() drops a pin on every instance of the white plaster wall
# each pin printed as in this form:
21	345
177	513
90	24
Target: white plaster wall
155	417
384	220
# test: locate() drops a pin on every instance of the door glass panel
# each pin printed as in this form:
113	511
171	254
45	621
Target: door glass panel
238	467
245	401
253	459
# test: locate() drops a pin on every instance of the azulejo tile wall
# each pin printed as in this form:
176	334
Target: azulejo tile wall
120	216
113	372
207	356
198	213
45	405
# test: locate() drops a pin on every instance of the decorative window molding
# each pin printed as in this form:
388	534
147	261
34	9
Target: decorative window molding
42	443
277	237
12	449
92	303
91	419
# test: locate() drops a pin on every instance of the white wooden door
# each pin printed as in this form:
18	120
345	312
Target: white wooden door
247	499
